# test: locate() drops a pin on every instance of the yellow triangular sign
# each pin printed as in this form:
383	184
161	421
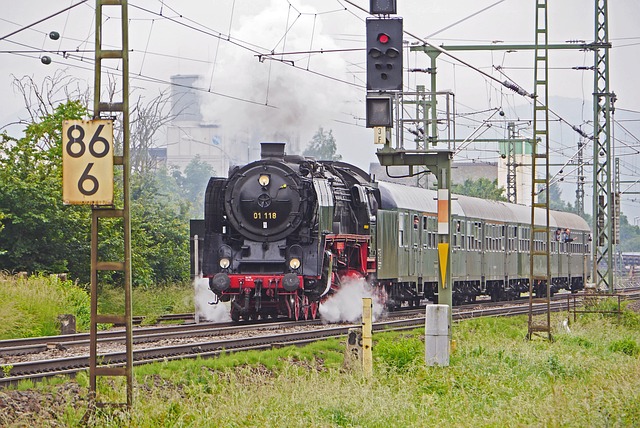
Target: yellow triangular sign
443	253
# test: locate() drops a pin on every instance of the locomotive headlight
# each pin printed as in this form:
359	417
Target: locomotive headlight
263	180
224	263
294	263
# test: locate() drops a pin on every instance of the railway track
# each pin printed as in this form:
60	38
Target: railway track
263	336
140	335
32	345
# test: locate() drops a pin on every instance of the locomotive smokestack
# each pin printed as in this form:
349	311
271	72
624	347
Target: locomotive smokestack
272	150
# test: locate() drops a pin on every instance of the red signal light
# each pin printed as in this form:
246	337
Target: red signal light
383	38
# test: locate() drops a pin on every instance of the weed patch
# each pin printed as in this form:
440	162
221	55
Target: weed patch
30	307
625	346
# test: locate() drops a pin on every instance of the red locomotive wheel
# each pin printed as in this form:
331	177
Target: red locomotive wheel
297	307
305	307
314	310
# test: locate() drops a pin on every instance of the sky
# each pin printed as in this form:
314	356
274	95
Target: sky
295	94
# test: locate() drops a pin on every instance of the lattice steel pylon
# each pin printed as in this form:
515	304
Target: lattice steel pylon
581	177
423	102
602	206
539	238
112	109
511	163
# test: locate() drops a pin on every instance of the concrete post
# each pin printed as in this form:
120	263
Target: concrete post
437	335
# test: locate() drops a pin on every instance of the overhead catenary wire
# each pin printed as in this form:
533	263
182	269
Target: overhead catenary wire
70	56
507	83
320	73
42	20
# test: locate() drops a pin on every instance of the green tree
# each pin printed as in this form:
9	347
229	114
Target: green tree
193	183
480	188
555	199
629	236
40	233
43	235
159	230
323	146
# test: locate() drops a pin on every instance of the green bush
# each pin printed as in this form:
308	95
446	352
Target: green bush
625	346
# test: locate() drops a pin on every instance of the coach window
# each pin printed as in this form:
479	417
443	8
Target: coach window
521	240
494	237
492	231
487	237
456	234
401	217
490	238
434	232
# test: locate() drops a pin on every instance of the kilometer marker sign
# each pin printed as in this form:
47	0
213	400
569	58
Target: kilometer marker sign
87	162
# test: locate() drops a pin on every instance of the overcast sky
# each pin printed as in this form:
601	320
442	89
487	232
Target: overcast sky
179	37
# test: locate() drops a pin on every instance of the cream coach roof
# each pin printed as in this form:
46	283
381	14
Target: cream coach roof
395	195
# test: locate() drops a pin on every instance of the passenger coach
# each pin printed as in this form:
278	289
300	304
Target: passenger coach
489	247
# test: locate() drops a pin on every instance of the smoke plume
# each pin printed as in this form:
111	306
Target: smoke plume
346	304
202	297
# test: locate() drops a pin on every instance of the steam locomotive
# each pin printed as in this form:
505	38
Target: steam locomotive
282	234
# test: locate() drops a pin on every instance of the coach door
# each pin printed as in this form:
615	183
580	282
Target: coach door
405	258
415	247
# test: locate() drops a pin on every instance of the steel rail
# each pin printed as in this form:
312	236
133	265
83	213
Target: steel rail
69	366
23	346
141	335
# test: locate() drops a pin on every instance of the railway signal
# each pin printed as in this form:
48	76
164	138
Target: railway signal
379	111
384	54
382	7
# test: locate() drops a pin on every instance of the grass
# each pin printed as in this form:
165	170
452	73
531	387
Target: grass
30	306
150	302
587	377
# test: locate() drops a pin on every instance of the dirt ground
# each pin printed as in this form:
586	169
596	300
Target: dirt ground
30	407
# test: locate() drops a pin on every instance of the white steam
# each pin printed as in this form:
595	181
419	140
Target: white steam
346	304
290	103
202	297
